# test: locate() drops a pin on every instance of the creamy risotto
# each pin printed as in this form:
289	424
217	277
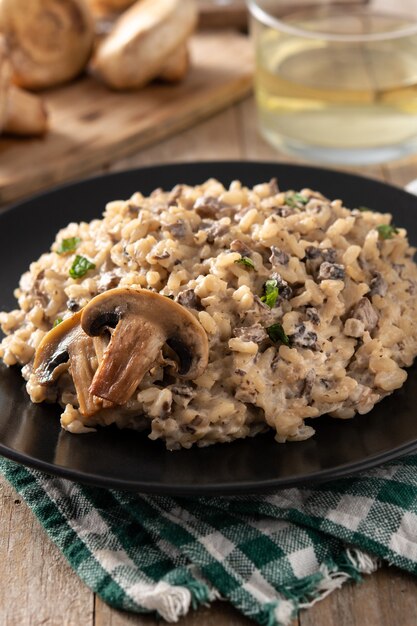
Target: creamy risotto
206	314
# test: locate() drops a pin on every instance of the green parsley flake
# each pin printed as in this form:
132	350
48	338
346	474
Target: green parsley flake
271	293
68	245
362	209
387	231
58	320
277	333
293	200
80	267
246	261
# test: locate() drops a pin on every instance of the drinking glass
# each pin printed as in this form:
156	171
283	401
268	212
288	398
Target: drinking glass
336	80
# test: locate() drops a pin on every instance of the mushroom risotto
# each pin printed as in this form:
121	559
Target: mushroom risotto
207	314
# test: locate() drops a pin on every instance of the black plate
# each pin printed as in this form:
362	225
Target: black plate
31	434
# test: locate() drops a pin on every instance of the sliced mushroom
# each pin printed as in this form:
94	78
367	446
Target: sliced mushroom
21	113
50	42
142	322
365	312
66	346
142	42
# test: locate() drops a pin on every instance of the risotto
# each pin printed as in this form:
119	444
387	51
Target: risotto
206	314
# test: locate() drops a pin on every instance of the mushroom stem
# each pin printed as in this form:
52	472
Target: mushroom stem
25	114
82	356
177	67
131	352
100	344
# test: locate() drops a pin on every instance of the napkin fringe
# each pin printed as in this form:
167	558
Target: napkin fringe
352	565
172	601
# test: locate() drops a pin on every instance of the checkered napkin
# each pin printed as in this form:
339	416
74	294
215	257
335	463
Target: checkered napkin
269	555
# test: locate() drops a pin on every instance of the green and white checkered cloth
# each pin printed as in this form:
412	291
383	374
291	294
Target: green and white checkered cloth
269	555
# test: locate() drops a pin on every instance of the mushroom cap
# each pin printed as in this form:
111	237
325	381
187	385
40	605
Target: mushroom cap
143	321
142	41
50	42
66	345
53	350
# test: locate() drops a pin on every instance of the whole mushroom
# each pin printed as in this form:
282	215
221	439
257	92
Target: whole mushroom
139	324
50	41
142	42
21	113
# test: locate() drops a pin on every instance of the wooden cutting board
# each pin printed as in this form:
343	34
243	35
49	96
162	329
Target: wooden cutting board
91	126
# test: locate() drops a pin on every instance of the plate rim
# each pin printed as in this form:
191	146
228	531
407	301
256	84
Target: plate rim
210	162
226	488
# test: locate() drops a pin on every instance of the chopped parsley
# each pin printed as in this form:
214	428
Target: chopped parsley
387	231
246	262
68	245
58	321
271	292
277	333
362	209
80	266
293	200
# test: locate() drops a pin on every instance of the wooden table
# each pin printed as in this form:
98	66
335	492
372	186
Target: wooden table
37	587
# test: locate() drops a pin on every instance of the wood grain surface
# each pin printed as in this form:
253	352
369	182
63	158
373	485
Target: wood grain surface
91	126
38	588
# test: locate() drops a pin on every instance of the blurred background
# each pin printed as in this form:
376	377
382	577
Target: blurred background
87	83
